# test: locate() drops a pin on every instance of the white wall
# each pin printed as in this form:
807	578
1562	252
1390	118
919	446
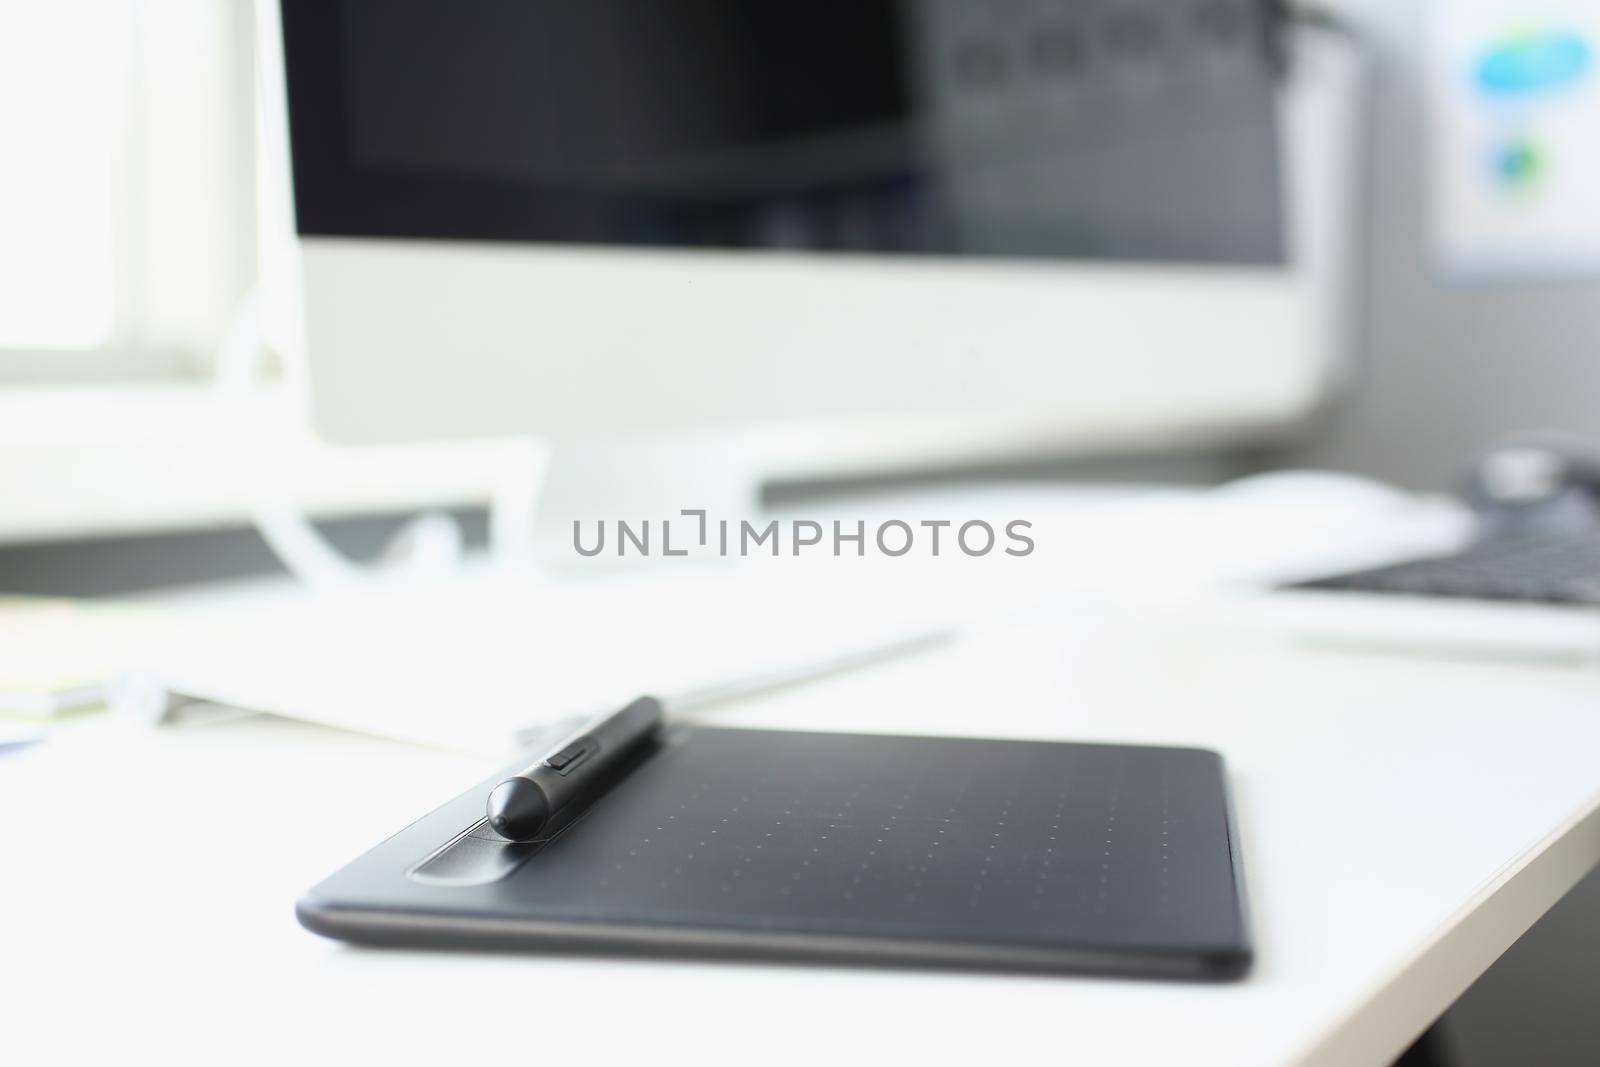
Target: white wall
1446	367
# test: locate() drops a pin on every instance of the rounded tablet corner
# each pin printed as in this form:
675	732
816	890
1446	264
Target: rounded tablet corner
1213	754
318	916
1226	965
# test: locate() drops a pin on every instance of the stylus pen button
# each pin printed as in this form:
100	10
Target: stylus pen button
566	755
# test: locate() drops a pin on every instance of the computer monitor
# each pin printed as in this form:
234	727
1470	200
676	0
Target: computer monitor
953	227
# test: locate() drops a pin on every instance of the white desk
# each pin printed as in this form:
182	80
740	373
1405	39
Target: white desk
1403	822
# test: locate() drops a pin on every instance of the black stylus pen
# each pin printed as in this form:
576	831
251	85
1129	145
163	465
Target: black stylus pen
522	805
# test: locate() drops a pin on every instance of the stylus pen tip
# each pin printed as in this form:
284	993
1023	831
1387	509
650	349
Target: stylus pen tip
518	809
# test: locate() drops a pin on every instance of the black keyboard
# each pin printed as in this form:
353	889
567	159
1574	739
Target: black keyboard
1537	569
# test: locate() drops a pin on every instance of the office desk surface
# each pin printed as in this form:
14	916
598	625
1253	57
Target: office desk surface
1403	821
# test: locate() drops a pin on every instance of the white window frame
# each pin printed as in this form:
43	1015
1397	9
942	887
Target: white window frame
184	200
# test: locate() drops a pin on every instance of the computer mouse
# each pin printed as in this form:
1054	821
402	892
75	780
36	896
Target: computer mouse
1314	490
1290	523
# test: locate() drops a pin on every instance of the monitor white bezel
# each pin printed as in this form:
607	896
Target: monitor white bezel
847	362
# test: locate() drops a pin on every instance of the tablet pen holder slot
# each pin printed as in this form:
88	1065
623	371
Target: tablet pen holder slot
479	856
472	859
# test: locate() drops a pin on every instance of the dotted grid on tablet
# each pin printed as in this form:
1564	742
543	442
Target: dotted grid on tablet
1084	844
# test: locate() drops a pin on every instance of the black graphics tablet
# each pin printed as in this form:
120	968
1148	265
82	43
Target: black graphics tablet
908	850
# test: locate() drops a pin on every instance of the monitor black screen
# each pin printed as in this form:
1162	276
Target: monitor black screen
1121	129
